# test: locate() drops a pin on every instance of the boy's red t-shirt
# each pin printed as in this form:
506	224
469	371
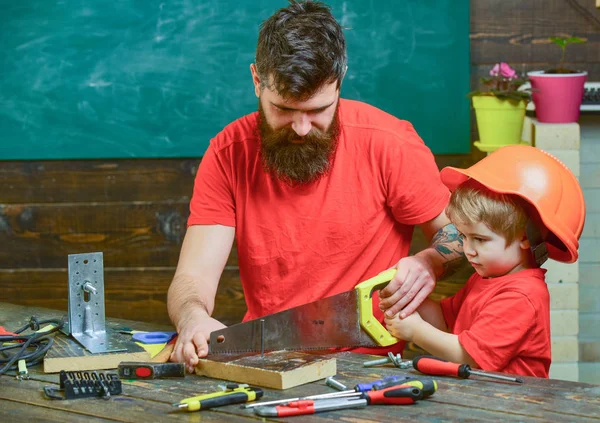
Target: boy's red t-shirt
297	244
504	323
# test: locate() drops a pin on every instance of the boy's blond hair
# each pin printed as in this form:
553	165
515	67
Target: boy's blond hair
504	214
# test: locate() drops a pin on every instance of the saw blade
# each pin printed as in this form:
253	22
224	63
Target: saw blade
332	322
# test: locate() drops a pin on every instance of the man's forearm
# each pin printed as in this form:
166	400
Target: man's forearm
185	296
445	252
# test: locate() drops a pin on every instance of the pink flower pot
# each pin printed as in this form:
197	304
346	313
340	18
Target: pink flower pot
557	97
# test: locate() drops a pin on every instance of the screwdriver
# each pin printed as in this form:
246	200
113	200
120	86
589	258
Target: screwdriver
233	394
302	407
427	387
361	387
403	394
400	394
395	395
431	365
378	384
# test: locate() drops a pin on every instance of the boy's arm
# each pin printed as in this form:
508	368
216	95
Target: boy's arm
427	328
441	344
431	312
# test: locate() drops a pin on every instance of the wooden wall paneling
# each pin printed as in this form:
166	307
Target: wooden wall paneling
516	31
129	234
132	293
138	235
80	181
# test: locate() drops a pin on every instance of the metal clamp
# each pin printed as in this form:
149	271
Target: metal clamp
396	360
86	321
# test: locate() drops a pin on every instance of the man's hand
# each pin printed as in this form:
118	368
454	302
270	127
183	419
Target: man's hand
413	282
193	334
404	328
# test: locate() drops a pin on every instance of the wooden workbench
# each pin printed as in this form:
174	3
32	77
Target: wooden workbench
150	400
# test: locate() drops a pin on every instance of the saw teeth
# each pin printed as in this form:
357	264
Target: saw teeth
223	352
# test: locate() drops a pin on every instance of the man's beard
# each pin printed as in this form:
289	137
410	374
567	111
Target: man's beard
297	163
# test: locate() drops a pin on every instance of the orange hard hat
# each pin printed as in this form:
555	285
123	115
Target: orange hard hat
540	179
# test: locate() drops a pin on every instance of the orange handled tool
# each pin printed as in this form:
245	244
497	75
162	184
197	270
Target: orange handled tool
431	365
401	394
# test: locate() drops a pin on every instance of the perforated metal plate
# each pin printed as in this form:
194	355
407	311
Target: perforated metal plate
86	304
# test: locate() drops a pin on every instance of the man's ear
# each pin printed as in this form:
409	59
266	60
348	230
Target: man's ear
255	79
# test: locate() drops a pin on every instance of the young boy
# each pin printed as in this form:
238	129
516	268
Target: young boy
513	209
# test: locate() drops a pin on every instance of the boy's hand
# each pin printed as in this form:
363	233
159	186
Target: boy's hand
404	328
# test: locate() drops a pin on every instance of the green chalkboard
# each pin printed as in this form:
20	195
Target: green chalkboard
144	78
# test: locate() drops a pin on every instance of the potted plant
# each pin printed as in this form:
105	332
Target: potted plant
558	92
500	111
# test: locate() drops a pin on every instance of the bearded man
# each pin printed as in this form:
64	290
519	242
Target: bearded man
319	192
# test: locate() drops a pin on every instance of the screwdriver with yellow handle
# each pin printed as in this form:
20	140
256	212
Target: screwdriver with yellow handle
233	394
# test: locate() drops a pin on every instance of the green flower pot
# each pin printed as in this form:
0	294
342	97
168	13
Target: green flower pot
500	122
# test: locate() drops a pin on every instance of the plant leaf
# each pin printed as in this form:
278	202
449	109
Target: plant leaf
575	40
561	42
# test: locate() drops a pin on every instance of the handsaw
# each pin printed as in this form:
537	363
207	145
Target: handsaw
339	321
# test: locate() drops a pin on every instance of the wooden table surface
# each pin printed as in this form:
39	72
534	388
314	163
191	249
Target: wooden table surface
472	399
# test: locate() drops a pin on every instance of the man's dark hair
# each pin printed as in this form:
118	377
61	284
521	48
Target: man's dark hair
301	47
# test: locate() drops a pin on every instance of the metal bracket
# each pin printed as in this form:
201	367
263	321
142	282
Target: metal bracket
86	305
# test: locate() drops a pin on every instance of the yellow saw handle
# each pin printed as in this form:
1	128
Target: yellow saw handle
367	321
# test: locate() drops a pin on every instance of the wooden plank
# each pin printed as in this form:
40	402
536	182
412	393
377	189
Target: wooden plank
16	411
106	181
129	234
130	293
515	31
83	181
277	369
67	354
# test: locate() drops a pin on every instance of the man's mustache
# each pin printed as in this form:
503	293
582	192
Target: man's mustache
288	135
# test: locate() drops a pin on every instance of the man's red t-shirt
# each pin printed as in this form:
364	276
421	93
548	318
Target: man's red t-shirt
297	244
504	323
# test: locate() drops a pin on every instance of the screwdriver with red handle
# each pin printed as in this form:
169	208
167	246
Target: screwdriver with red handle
399	395
394	395
430	365
361	387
